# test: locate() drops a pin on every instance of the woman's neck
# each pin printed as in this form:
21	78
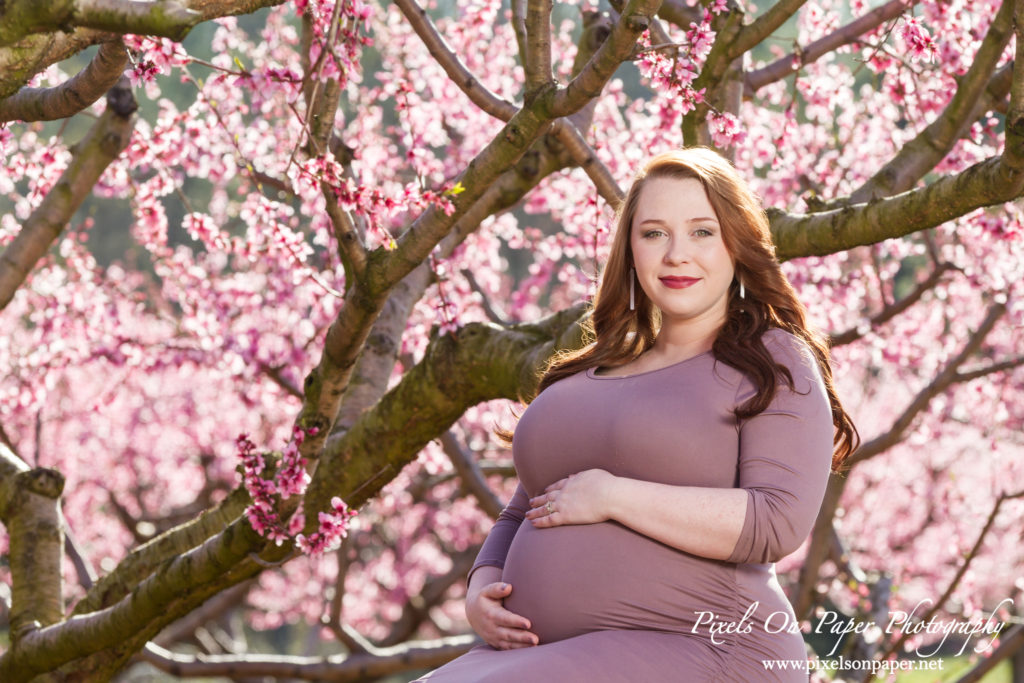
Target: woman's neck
685	339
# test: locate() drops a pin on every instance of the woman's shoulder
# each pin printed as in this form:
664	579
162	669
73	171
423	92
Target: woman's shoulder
793	352
785	345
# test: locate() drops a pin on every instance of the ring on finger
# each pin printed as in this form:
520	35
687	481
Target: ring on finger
550	507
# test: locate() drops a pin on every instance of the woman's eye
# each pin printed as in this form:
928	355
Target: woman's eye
652	233
703	232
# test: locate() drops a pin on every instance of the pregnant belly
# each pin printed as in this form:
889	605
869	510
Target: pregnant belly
574	579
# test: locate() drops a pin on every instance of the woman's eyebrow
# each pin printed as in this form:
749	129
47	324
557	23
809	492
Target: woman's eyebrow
692	220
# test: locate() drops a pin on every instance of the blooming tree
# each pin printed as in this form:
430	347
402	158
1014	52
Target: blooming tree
354	232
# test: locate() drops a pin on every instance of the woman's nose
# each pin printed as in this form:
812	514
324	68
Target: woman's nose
676	253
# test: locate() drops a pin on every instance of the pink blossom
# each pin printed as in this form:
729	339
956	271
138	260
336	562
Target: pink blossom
918	41
726	129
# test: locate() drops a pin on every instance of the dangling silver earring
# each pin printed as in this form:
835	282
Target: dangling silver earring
743	292
632	290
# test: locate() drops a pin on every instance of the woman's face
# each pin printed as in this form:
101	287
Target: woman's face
680	259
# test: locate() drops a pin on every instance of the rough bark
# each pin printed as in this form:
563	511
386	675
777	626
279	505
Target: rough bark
30	509
33	53
993	181
483	361
49	104
171	19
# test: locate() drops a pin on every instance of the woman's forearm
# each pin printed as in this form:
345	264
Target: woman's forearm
483	576
700	520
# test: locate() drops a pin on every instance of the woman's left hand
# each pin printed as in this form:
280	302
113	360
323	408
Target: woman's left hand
581	498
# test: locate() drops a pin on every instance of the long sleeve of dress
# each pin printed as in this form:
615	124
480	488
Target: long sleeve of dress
785	457
499	540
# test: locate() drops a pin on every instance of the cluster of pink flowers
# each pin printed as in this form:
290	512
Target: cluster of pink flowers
726	129
333	528
261	513
701	38
676	75
202	228
919	41
142	71
6	138
290	479
153	56
352	196
340	60
371	202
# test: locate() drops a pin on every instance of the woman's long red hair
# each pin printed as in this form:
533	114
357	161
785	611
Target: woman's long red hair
621	334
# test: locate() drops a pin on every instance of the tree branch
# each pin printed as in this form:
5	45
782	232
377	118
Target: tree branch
519	27
142	561
993	181
478	363
659	36
1009	645
35	52
818	549
932	144
989	369
336	669
585	157
364	298
546	156
636	17
417	609
96	642
30	509
209	610
763	26
372	370
493	314
101	145
784	66
439	49
679	13
1013	153
275	374
350	245
484	360
168	18
470	475
715	74
49	104
890	311
525	126
83	568
948	376
840	554
537	62
937	605
353	641
998	88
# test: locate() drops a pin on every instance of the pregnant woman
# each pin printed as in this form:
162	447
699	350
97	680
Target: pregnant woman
664	468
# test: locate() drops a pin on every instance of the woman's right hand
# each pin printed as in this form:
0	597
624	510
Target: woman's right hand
500	628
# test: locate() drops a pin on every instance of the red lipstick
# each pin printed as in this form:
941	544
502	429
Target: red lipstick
678	282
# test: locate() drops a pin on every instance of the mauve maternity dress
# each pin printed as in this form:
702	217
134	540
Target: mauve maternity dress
610	604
